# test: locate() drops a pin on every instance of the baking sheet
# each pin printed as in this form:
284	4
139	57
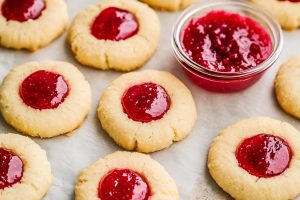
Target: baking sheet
186	160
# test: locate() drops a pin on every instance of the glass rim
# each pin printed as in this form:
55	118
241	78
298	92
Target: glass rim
271	22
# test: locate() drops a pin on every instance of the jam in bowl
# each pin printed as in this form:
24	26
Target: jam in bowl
226	46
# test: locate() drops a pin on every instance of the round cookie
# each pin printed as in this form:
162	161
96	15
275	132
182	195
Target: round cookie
45	99
115	34
169	5
287	86
31	24
287	12
136	175
257	158
147	111
25	172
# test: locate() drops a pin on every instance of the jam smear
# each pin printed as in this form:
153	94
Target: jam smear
114	24
11	169
226	42
264	155
22	10
123	184
44	90
146	102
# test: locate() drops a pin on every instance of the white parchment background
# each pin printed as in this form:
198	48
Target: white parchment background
185	161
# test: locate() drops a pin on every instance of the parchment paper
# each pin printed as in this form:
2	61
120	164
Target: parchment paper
186	160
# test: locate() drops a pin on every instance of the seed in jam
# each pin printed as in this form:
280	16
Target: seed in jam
11	169
264	155
226	42
114	24
146	102
23	10
44	90
123	184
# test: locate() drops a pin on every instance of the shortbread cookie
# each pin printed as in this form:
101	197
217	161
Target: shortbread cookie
147	111
287	86
287	12
125	174
45	99
31	24
169	5
115	34
257	158
25	172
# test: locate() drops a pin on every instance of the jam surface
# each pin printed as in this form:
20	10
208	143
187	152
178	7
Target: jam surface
146	102
123	184
226	42
44	90
114	24
22	10
11	169
264	155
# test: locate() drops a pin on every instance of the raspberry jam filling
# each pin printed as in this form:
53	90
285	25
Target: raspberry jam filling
226	42
264	155
146	102
123	184
44	90
114	24
11	168
22	10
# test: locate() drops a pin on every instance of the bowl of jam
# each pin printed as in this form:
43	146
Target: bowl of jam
226	46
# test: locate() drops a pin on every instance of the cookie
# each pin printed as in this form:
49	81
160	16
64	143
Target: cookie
115	34
45	99
257	158
31	24
287	86
147	111
169	5
25	172
287	12
125	174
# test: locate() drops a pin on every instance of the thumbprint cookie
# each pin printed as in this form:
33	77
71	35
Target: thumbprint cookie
147	111
45	99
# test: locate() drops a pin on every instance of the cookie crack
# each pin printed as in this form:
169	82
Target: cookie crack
106	59
136	143
145	38
175	134
135	146
181	4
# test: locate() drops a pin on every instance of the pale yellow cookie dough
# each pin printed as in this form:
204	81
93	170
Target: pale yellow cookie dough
161	184
169	5
286	12
175	125
123	55
224	168
47	122
34	34
287	86
37	177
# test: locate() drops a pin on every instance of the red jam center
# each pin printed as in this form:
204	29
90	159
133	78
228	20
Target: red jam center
123	184
146	102
114	24
11	169
264	155
22	10
44	90
226	42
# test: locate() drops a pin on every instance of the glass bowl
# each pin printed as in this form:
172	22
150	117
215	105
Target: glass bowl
226	81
